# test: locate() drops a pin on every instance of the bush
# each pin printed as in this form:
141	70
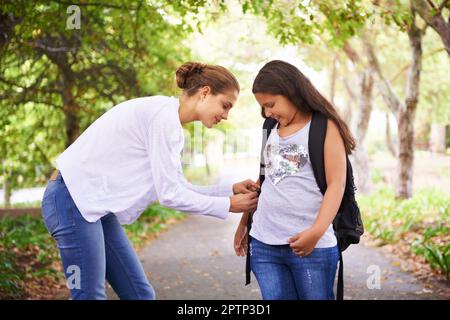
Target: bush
28	252
424	219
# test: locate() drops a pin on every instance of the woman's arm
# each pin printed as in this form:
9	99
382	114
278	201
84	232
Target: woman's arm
165	143
222	190
219	190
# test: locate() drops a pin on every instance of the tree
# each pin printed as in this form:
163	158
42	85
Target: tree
52	67
404	111
338	21
333	23
433	15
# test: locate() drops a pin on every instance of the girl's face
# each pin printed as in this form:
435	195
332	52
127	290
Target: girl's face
277	107
213	108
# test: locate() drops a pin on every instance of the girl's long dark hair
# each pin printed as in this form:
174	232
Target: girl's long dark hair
281	78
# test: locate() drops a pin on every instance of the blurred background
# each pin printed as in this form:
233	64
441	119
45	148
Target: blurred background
384	64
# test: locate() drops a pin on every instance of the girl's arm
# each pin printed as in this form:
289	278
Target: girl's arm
336	173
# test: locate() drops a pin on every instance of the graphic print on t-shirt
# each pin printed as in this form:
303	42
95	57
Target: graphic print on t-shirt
284	160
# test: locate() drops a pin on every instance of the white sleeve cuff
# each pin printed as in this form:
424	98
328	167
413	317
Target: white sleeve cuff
221	208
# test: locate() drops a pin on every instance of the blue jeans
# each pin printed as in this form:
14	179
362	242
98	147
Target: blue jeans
283	275
92	252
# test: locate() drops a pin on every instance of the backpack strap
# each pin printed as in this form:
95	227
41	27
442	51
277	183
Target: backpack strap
316	143
268	125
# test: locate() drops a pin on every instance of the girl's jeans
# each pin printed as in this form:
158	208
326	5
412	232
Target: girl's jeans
283	275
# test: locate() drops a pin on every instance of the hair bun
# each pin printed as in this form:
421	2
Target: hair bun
186	71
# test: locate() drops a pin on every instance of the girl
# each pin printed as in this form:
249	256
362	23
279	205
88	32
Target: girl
293	249
124	161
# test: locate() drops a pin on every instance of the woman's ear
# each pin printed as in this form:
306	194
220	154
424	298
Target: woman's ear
204	91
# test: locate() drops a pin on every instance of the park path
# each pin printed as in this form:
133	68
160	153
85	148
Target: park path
195	259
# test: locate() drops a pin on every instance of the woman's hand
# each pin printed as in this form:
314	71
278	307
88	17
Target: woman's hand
241	240
245	186
304	242
243	202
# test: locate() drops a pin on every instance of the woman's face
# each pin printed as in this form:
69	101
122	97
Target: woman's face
277	107
213	108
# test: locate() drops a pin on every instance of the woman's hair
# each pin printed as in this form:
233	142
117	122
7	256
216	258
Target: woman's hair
281	78
192	76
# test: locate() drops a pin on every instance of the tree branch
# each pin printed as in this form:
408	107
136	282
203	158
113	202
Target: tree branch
386	90
435	21
412	85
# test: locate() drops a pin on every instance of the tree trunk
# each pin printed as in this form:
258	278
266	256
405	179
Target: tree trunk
389	142
365	105
333	81
437	138
8	191
407	115
403	111
363	178
347	114
405	155
364	100
205	153
70	111
72	126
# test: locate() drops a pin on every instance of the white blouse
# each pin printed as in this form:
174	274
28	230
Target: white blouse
129	158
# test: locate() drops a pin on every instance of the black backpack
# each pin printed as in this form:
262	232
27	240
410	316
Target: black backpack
347	224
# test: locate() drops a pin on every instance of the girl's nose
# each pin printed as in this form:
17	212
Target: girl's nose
225	115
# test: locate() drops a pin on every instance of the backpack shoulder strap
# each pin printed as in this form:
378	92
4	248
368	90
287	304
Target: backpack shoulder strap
268	125
316	143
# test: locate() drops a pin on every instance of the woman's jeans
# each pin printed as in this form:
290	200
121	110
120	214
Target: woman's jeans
92	252
283	275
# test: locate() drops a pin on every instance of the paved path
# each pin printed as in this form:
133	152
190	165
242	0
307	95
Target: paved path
195	260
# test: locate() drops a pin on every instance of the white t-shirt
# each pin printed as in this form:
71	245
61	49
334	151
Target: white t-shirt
290	198
129	158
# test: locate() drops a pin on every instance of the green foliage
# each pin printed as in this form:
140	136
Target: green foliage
435	251
152	220
422	220
55	81
27	251
292	22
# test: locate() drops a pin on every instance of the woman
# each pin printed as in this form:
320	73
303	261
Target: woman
293	248
124	161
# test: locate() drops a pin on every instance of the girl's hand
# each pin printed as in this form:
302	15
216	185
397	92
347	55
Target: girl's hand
304	242
241	240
